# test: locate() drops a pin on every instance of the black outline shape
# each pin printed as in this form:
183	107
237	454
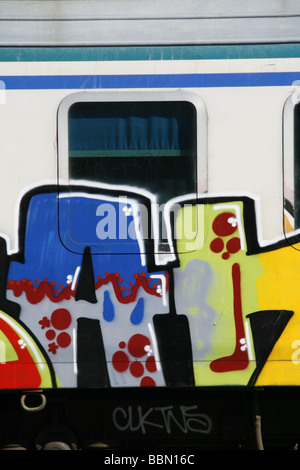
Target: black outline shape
91	359
173	338
86	280
9	307
267	327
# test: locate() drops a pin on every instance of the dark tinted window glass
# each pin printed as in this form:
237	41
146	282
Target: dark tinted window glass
148	145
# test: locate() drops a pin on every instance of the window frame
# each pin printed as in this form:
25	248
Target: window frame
289	165
134	96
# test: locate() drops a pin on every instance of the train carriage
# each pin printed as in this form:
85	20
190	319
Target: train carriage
149	220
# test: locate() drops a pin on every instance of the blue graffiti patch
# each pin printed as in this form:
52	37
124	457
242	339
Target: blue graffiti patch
108	308
137	313
50	222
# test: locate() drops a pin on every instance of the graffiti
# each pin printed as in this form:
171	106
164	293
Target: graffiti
186	419
239	359
80	308
138	346
23	363
60	320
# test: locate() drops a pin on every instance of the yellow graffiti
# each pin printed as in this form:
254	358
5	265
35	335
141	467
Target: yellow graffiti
222	328
278	288
269	281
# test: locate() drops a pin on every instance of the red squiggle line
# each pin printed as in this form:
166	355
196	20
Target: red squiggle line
35	295
141	281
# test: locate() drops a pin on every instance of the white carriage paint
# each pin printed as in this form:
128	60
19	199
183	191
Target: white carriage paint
244	136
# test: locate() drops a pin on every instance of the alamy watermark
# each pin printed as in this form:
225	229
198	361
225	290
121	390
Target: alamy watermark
134	221
2	92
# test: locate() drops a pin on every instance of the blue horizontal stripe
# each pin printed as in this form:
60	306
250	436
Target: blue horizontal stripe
149	81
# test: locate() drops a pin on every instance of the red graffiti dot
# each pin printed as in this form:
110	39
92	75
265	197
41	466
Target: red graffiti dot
147	382
137	345
45	323
120	361
225	224
52	347
217	245
50	334
150	364
136	369
63	340
233	245
225	255
61	319
122	344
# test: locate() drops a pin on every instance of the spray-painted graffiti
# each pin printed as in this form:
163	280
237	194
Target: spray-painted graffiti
186	419
82	308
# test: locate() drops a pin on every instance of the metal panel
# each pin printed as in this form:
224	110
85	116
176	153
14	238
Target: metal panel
133	22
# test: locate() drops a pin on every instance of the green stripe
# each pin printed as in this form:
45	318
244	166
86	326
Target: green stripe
53	54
